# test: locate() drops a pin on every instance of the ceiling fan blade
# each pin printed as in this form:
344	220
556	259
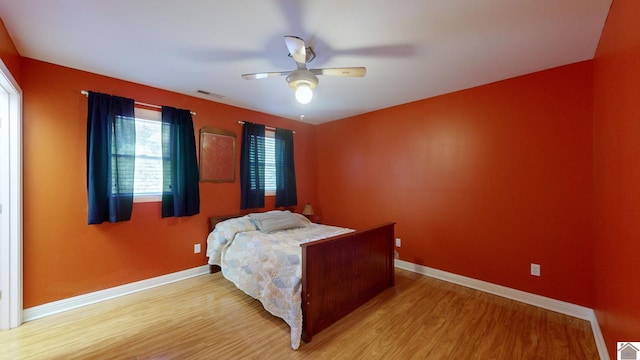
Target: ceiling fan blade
263	75
297	50
343	71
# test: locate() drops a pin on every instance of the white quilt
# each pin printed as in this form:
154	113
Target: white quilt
267	266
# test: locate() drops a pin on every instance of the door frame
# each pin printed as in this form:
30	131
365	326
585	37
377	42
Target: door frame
11	202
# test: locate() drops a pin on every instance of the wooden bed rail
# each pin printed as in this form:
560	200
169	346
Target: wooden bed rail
343	272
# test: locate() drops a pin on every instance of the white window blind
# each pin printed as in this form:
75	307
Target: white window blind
270	162
148	175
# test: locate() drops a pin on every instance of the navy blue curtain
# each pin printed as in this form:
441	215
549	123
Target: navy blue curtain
252	164
286	194
180	189
111	139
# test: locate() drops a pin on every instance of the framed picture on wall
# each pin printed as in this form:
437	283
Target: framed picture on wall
217	155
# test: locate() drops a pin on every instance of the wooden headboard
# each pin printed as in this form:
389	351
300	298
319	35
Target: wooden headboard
213	220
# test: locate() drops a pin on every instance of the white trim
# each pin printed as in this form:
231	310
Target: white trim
146	198
55	307
11	202
562	307
599	339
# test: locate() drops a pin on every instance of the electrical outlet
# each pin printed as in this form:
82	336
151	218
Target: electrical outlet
196	248
535	269
398	242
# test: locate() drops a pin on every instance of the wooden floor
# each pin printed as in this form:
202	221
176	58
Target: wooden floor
206	317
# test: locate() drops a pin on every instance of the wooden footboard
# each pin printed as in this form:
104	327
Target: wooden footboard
341	273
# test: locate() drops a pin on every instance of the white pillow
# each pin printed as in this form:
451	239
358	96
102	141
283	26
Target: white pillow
272	221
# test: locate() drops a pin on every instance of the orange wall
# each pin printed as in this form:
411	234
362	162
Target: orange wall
617	175
480	182
63	256
8	52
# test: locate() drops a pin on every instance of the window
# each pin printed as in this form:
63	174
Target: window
270	162
253	167
148	159
164	147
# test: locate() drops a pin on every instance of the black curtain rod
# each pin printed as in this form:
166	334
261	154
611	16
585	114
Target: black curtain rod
86	93
266	127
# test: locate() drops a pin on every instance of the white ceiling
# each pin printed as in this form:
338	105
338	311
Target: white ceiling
412	49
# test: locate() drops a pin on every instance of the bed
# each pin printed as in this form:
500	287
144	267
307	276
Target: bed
310	275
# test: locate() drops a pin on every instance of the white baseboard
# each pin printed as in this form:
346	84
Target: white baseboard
55	307
562	307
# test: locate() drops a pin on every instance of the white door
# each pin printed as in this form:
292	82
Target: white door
10	201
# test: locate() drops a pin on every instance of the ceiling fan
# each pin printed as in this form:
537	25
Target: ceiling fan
303	80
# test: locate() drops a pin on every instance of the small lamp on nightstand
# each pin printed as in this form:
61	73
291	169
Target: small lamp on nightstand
308	211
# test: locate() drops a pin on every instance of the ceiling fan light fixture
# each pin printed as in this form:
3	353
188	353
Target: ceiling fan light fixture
304	94
302	82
